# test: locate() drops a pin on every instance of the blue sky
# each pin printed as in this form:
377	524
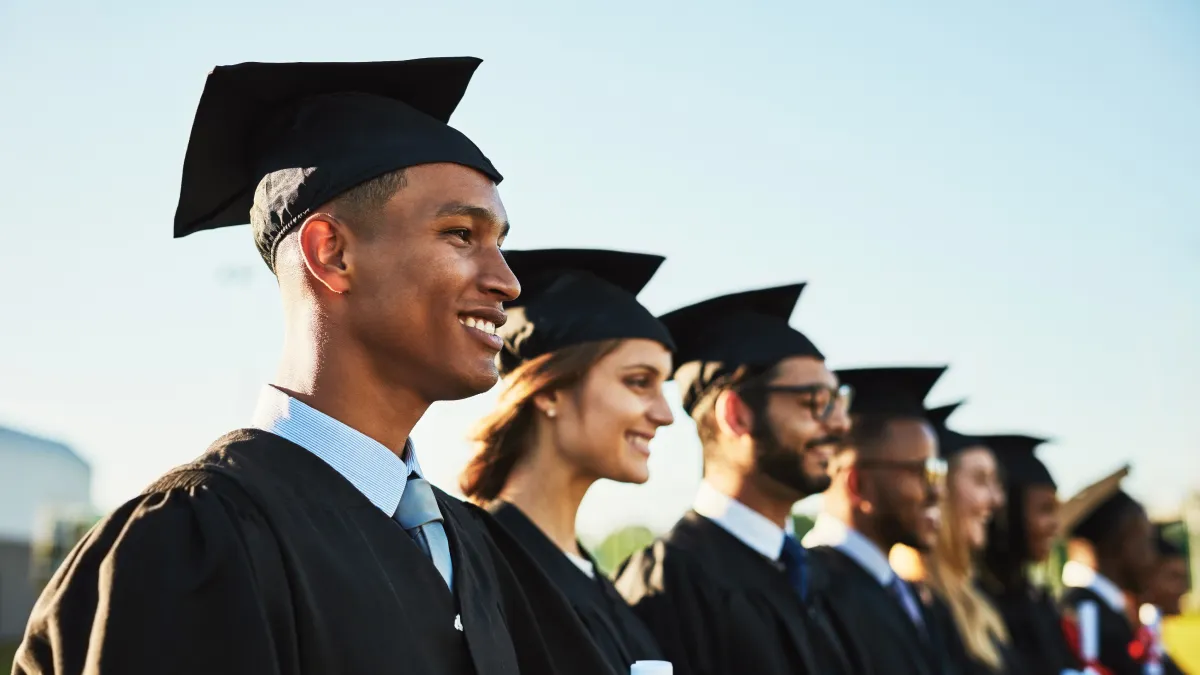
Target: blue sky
1011	189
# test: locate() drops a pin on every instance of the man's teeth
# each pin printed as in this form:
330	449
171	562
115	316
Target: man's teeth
479	324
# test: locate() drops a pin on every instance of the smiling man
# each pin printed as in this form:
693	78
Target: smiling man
309	542
887	483
728	589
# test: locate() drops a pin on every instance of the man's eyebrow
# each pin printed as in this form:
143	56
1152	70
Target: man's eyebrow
474	213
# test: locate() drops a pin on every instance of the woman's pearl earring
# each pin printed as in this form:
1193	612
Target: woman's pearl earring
551	412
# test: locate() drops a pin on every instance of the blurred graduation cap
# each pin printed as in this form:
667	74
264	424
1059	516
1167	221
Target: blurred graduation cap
1091	511
891	392
573	296
719	335
950	442
1019	465
1167	546
289	137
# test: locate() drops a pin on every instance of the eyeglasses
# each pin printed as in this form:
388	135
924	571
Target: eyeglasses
933	469
821	399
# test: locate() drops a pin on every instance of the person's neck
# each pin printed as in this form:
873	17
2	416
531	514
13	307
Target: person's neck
842	510
335	380
751	493
548	491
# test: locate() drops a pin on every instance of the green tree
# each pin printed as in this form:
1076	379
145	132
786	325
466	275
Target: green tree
619	545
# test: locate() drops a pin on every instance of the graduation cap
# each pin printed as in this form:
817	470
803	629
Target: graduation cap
289	137
1166	546
1094	511
1020	466
891	392
573	296
950	442
719	335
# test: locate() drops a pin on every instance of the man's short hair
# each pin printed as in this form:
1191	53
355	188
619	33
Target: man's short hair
705	411
868	434
358	206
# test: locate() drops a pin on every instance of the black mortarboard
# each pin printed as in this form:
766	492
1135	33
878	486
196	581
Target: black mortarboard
891	392
1104	518
290	137
719	335
1019	465
1167	546
573	296
950	442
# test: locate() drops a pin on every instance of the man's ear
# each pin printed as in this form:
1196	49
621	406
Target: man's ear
733	415
323	247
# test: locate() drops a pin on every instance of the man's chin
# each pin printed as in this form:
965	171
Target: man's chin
457	386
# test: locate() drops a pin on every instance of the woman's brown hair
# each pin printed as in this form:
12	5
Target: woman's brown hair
501	438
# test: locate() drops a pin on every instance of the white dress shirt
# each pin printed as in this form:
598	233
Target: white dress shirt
829	531
749	526
1076	575
371	468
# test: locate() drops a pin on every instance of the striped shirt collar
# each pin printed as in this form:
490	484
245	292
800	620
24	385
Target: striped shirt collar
370	467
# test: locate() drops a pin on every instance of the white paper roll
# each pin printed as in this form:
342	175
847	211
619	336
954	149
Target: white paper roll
651	668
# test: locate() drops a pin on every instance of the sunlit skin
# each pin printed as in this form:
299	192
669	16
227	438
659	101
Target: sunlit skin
1168	585
787	457
604	429
375	313
1041	521
1135	559
599	429
974	487
899	506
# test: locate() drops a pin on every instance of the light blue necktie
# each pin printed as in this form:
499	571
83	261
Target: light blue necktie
419	515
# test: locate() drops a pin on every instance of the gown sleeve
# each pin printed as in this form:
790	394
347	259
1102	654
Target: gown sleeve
677	608
162	585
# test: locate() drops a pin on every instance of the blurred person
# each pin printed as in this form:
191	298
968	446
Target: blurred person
973	496
1163	596
887	482
310	542
1111	561
1020	535
583	367
729	589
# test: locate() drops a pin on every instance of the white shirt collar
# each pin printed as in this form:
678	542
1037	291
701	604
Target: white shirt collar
829	531
370	467
751	527
1078	575
582	563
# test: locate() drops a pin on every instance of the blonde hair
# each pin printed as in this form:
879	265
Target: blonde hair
950	572
501	438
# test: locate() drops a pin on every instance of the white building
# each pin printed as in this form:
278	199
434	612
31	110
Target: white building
38	479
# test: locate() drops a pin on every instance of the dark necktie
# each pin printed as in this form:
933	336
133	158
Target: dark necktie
795	565
902	593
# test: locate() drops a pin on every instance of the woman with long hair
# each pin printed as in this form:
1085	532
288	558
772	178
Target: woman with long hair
583	367
973	495
1020	536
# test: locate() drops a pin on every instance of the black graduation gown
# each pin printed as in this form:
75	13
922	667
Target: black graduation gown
1039	646
874	618
1116	632
618	632
939	611
260	559
718	607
